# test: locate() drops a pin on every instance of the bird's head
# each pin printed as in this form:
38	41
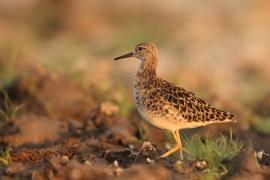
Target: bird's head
143	51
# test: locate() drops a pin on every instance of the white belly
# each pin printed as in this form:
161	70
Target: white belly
160	122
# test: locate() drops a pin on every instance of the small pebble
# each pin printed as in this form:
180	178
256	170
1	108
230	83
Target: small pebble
263	158
117	170
179	166
147	149
150	161
64	159
201	165
109	108
260	154
115	163
131	146
88	163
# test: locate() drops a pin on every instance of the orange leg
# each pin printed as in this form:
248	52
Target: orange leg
178	138
177	147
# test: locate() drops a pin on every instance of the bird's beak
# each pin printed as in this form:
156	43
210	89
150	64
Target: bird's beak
131	54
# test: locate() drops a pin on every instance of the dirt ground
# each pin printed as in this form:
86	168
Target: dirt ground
71	115
62	132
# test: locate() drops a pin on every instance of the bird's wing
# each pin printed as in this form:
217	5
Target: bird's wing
191	107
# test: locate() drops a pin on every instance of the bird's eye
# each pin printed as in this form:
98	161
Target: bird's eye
140	48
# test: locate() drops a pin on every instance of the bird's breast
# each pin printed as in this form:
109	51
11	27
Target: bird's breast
139	95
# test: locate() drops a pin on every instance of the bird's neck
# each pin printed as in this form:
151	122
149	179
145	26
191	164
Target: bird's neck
148	68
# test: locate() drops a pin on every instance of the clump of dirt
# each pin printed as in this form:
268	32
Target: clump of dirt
44	129
247	166
128	157
33	155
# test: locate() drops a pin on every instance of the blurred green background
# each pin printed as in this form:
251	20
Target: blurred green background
218	49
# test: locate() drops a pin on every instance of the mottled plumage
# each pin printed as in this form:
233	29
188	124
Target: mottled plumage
165	105
157	97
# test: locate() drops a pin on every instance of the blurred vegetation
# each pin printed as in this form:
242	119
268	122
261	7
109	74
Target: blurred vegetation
263	126
5	158
8	75
8	111
8	56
